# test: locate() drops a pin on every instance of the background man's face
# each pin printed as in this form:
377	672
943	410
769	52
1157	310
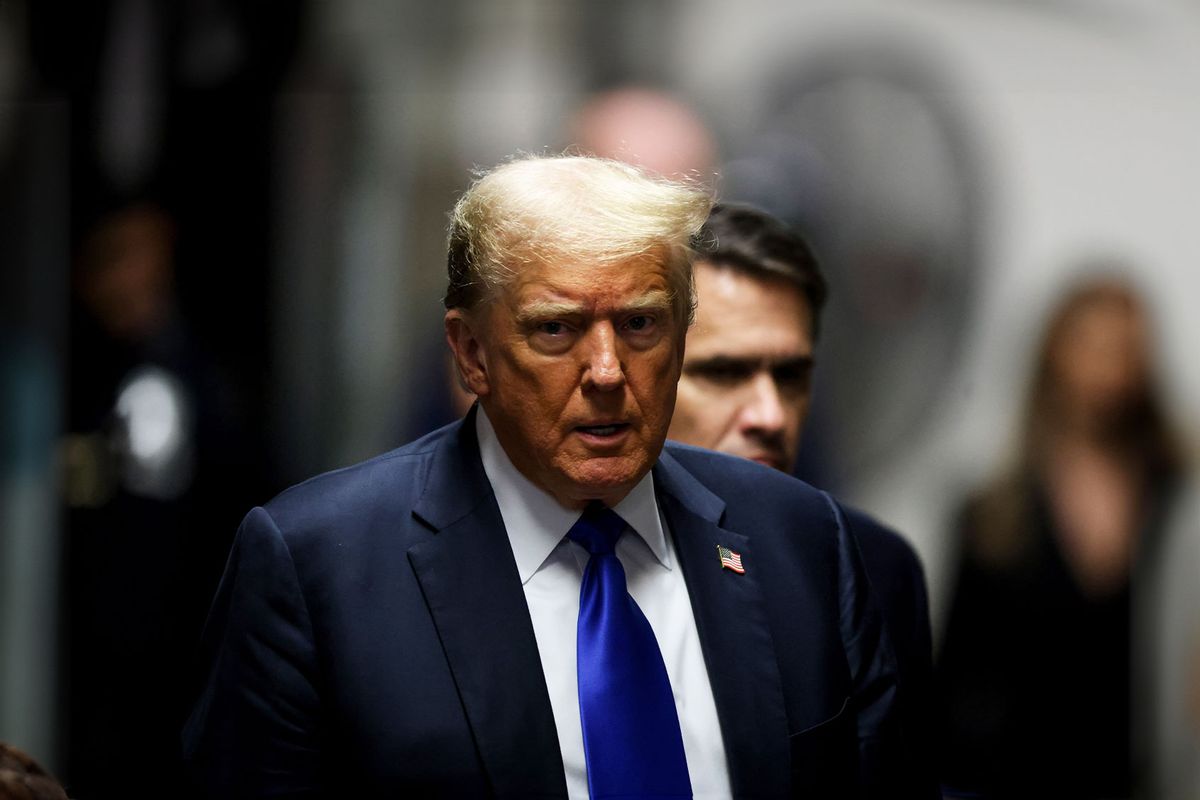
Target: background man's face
580	365
745	383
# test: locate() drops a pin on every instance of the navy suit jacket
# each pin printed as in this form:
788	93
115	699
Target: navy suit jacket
898	588
370	637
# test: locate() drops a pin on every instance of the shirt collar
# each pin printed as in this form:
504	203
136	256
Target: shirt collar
535	521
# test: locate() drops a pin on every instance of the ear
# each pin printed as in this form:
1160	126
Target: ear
470	360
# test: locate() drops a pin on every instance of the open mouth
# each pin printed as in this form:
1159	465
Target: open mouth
603	431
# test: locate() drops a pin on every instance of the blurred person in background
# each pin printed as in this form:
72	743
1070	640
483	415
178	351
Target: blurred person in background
167	152
155	474
647	127
1035	669
745	390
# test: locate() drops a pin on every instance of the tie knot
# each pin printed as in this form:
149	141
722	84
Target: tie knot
597	530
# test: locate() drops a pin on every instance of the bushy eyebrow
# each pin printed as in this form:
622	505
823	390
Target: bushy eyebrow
656	300
545	309
538	310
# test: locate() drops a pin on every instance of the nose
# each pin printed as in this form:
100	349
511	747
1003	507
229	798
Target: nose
763	410
603	371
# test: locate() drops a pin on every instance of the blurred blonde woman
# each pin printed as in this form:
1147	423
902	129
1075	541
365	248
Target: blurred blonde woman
1034	671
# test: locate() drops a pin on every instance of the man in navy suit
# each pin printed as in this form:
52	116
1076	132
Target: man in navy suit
745	389
419	624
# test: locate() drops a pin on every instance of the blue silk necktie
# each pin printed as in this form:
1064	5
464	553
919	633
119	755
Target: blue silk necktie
631	736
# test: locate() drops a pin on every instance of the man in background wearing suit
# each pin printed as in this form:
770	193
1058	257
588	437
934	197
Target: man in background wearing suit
542	600
745	390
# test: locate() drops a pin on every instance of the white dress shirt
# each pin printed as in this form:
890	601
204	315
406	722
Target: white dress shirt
551	568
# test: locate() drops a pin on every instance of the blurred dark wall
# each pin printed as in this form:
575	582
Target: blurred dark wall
33	279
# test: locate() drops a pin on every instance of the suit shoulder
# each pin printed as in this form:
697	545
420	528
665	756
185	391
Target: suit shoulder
393	478
880	543
736	479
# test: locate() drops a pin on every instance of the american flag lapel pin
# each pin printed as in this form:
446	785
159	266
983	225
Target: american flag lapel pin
730	560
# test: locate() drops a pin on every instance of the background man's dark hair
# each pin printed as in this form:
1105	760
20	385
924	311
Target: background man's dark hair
751	241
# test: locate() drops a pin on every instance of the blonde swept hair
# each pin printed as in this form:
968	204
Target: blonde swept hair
571	209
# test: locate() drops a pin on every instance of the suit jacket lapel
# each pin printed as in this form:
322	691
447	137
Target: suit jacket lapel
731	619
471	586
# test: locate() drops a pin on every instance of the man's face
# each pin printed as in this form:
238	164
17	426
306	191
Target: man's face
745	383
576	367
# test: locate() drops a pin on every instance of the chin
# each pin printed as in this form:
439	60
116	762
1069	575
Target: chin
607	480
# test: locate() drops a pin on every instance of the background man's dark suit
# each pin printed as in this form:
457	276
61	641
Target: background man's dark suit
898	589
371	637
